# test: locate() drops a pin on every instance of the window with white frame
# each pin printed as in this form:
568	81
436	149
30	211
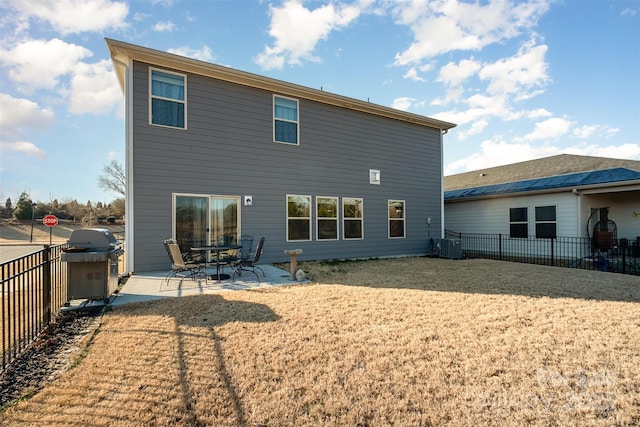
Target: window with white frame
396	218
546	222
518	223
167	104
327	218
285	120
298	218
352	218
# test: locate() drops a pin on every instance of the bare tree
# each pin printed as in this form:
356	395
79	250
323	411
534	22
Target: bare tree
113	178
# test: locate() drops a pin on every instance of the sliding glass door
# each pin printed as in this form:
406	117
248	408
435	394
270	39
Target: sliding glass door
206	220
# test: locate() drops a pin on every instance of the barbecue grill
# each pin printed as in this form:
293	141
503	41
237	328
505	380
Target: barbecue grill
92	256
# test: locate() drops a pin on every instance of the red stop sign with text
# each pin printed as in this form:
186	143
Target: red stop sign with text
50	220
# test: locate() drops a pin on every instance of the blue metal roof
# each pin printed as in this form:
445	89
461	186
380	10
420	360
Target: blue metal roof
561	181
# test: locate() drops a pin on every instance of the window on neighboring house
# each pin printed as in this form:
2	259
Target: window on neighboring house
327	218
298	218
168	94
352	218
546	222
285	120
518	222
396	218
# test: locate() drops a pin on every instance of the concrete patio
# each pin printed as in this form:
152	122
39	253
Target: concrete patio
152	285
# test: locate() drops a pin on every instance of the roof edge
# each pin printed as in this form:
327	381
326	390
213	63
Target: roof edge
122	53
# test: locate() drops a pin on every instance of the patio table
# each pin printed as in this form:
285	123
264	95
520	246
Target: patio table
217	249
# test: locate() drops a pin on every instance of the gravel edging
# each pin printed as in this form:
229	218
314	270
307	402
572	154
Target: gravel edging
53	352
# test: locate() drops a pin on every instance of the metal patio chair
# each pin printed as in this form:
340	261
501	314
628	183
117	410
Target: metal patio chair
249	264
180	267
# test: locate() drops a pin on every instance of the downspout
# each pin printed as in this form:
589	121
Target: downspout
442	133
579	229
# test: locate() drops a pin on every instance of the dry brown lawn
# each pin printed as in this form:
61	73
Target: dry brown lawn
404	342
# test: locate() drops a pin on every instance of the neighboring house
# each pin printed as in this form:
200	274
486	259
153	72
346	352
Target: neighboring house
213	153
564	195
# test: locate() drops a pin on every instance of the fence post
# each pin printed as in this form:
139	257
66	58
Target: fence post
553	261
500	246
46	286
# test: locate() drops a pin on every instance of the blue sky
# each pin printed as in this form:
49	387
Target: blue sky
522	79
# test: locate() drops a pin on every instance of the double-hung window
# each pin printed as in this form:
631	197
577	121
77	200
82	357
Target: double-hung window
546	222
285	120
298	218
518	223
327	218
167	106
396	218
352	218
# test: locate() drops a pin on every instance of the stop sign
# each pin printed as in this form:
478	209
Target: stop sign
50	220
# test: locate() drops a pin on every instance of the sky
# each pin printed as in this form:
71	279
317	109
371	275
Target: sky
521	79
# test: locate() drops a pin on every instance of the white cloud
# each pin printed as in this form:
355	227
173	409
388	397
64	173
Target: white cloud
37	64
538	113
164	26
525	71
75	16
586	131
445	26
24	147
402	103
629	12
456	74
203	54
476	127
497	152
94	89
412	74
297	30
18	117
549	129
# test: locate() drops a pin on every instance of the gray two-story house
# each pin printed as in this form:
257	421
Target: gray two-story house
213	153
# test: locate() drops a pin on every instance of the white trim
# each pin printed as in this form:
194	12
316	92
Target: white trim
337	218
361	219
404	219
208	197
274	118
130	219
184	102
310	218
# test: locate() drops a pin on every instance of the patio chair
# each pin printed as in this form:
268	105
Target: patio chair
249	264
180	267
246	244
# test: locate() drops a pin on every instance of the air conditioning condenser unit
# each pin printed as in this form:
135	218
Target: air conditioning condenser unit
451	248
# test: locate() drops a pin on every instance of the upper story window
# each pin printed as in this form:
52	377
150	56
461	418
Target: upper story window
327	218
285	120
352	218
518	223
167	106
298	217
396	218
546	222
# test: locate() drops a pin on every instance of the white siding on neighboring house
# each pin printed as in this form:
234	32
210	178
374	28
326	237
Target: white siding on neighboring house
491	216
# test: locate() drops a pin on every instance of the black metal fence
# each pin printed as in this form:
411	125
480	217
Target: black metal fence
34	287
575	252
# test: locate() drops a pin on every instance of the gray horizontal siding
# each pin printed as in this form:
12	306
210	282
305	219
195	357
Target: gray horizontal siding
227	149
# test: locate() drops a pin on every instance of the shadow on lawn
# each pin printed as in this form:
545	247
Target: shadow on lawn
478	276
206	312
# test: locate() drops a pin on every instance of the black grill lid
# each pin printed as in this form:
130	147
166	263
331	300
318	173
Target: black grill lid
97	239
